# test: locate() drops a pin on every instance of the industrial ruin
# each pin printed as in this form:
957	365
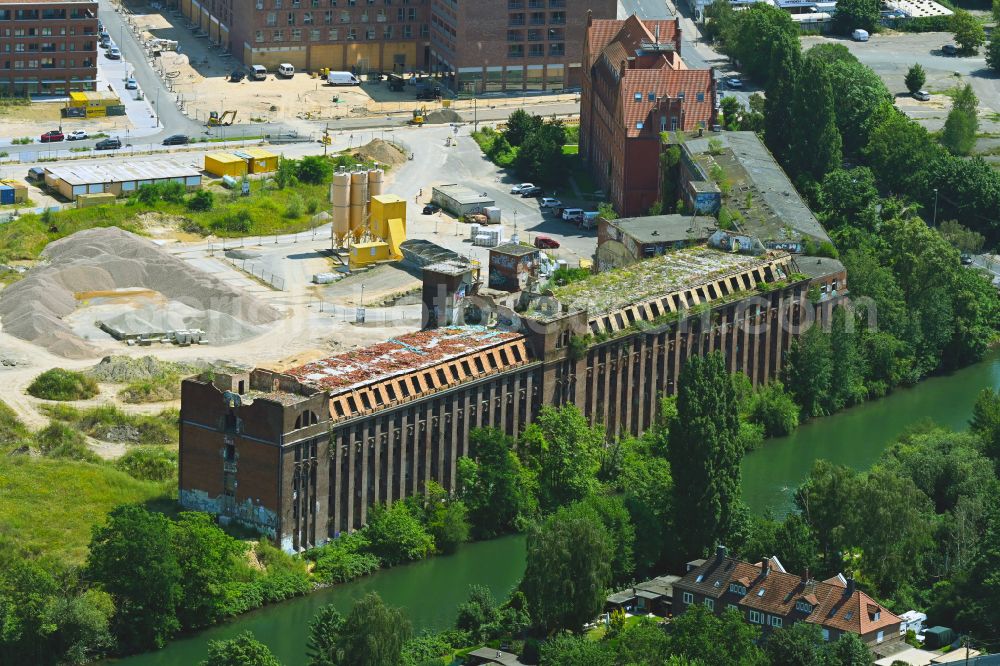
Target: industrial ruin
302	455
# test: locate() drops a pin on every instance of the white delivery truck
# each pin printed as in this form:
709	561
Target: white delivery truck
860	35
342	79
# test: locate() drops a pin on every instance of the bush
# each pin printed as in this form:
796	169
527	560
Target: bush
201	200
152	389
312	206
236	222
773	408
58	440
293	208
395	536
313	170
173	191
149	463
60	384
112	425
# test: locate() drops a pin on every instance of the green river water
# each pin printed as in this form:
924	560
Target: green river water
430	590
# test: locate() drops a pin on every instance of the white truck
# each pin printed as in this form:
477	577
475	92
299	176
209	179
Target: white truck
342	79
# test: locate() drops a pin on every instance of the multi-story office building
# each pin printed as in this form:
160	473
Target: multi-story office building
353	35
512	45
47	48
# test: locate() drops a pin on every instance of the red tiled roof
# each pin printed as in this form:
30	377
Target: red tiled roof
665	82
630	33
777	592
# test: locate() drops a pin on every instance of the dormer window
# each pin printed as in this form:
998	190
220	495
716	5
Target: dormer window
876	616
736	588
803	606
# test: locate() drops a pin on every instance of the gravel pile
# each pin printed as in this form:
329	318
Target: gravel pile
442	116
110	259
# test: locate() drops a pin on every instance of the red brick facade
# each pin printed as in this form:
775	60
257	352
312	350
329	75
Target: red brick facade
512	45
635	86
47	48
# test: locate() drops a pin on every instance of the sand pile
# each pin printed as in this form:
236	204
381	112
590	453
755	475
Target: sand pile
442	116
109	259
382	152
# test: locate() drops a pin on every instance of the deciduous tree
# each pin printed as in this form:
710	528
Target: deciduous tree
563	450
373	633
323	644
495	487
959	133
969	32
244	650
568	569
132	559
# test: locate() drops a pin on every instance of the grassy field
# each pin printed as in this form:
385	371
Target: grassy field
265	211
48	506
110	424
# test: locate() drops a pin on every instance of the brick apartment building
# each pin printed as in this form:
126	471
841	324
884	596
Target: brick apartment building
635	86
767	595
352	35
512	45
47	48
477	46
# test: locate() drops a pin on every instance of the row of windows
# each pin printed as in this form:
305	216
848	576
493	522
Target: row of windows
44	47
307	18
537	18
45	63
44	32
535	50
41	14
334	34
316	4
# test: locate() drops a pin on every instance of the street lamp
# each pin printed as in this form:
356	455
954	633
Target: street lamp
934	223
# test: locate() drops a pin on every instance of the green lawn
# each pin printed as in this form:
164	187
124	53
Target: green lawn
571	149
49	506
265	211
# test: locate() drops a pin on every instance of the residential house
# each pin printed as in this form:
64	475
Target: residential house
767	595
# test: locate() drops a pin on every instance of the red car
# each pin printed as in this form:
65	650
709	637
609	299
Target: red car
53	135
546	243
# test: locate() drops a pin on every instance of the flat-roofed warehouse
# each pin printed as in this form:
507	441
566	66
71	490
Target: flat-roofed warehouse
460	200
119	179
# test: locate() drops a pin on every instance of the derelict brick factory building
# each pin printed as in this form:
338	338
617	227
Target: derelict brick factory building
302	455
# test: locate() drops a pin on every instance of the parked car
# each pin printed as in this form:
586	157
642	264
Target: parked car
572	214
966	259
734	82
237	75
36	174
286	70
53	135
533	191
111	143
860	35
114	53
949	49
517	189
176	140
430	209
549	202
77	135
546	243
922	95
130	84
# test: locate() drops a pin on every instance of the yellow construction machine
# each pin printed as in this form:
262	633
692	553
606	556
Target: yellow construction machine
227	118
418	116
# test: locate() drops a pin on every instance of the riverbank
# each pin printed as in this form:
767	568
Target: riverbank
430	590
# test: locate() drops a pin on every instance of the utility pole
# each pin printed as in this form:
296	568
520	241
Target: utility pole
934	224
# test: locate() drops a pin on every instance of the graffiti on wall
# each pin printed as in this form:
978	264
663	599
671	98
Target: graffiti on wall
246	513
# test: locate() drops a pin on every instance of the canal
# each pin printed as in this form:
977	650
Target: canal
430	590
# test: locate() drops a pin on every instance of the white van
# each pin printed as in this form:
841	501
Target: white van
342	79
258	72
286	70
860	35
572	214
589	220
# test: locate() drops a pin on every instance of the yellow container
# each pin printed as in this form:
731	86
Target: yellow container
258	160
365	254
97	199
225	164
385	207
